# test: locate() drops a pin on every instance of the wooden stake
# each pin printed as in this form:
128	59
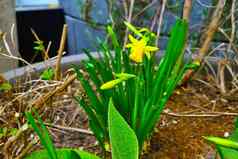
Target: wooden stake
207	36
187	9
60	53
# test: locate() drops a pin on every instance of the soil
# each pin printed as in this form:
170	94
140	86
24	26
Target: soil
179	136
189	115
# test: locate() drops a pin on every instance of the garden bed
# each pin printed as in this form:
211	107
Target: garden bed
193	111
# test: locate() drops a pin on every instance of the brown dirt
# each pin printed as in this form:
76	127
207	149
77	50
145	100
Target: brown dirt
181	137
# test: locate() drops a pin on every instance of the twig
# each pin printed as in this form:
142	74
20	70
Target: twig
124	3
6	44
233	25
205	5
221	69
18	58
11	140
44	98
129	21
160	21
46	58
25	150
45	52
12	36
208	114
207	36
206	83
60	53
9	53
155	18
35	35
48	49
210	31
228	38
70	129
144	9
187	9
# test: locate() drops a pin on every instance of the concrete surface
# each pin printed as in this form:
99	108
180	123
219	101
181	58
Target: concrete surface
7	18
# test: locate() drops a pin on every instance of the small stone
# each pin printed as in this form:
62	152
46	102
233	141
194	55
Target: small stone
25	127
178	92
213	101
32	136
17	115
224	100
57	118
226	134
166	110
174	121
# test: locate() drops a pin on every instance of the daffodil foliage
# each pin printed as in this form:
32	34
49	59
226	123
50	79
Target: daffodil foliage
138	85
226	147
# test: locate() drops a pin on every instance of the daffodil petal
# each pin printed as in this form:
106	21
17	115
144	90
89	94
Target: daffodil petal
124	76
133	29
151	48
110	84
144	30
129	45
147	55
132	39
136	56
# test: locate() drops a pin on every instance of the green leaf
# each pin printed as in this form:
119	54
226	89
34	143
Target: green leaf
117	48
95	101
226	152
39	46
134	29
43	134
50	151
3	132
113	36
95	122
123	139
227	148
5	86
64	153
47	74
165	80
223	142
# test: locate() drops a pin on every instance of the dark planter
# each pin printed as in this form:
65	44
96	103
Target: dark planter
33	15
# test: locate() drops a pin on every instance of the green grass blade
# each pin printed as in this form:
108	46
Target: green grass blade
43	134
117	48
101	69
96	122
134	114
166	79
95	102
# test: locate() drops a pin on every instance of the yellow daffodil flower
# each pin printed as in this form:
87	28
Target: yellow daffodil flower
139	48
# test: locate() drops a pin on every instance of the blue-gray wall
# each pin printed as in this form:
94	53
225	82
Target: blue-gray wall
80	16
